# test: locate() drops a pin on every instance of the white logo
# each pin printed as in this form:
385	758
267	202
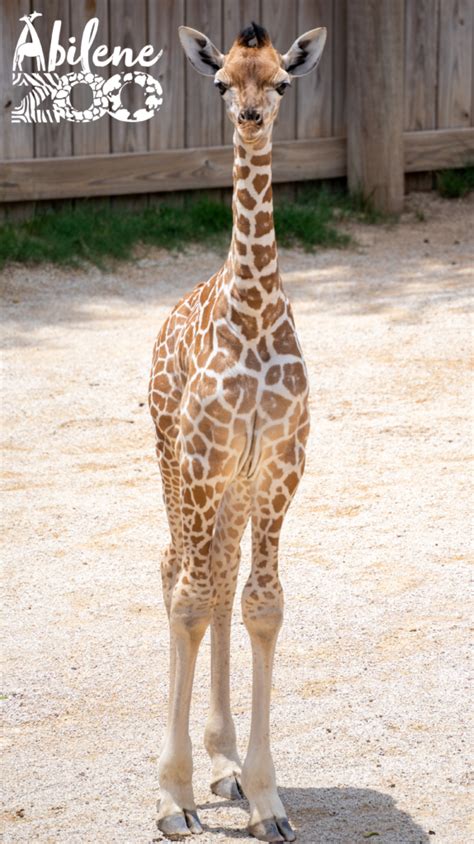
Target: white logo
106	93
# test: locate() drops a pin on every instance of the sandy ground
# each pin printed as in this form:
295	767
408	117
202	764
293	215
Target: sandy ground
370	703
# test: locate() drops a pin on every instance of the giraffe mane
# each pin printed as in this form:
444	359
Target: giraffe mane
256	33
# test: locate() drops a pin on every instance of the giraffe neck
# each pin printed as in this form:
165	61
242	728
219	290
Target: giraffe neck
253	260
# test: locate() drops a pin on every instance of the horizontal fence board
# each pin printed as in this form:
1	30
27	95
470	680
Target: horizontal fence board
211	167
166	170
438	148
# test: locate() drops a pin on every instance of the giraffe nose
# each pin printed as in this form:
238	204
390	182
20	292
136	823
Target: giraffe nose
250	114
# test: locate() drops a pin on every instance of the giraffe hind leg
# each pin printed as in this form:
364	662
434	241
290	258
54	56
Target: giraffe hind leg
219	736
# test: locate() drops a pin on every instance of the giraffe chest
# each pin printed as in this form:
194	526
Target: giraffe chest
241	414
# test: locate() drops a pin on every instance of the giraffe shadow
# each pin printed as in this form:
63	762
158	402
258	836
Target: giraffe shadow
341	816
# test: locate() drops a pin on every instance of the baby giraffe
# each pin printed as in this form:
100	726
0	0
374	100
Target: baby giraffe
229	399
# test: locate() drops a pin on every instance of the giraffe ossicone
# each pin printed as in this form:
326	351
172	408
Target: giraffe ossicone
229	399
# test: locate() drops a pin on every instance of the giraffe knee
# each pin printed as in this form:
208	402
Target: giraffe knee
262	610
190	620
191	607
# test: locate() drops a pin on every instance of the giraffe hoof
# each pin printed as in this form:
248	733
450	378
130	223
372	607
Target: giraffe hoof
180	825
266	830
229	788
272	829
193	821
286	830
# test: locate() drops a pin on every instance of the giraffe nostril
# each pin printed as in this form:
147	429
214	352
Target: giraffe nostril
250	114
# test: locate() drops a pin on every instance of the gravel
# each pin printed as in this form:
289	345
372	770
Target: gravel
371	699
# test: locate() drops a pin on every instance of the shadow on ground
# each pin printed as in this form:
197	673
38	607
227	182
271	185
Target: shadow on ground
342	816
41	296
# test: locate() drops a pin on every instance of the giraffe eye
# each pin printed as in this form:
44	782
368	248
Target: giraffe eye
220	86
281	88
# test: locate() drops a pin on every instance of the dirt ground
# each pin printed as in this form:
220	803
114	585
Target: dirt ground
370	704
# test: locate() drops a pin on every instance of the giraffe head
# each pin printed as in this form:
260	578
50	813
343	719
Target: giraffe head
253	76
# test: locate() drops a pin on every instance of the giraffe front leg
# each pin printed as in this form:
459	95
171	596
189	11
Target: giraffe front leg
262	608
202	486
177	816
219	736
189	617
190	614
263	614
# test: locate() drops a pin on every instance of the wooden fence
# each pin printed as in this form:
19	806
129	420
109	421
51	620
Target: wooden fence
393	94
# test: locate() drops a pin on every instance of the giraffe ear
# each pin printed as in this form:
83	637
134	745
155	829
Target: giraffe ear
201	52
304	55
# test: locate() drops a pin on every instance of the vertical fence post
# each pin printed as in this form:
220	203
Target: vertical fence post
375	160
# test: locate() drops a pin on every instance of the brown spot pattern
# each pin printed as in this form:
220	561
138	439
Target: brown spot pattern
272	313
284	341
243	270
270	282
251	296
252	362
243	224
261	160
260	181
247	324
263	223
241	389
274	405
242	172
263	350
245	199
263	254
294	378
273	375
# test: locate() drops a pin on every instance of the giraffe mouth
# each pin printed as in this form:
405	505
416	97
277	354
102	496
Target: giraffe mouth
250	132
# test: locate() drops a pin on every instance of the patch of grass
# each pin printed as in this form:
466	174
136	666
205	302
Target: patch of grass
95	233
454	184
310	222
345	205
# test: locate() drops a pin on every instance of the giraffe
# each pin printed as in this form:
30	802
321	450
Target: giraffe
229	400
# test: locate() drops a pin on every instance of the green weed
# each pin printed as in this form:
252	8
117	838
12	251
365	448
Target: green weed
97	233
453	184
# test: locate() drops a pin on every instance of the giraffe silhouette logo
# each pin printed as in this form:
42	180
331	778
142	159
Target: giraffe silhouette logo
36	68
30	49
